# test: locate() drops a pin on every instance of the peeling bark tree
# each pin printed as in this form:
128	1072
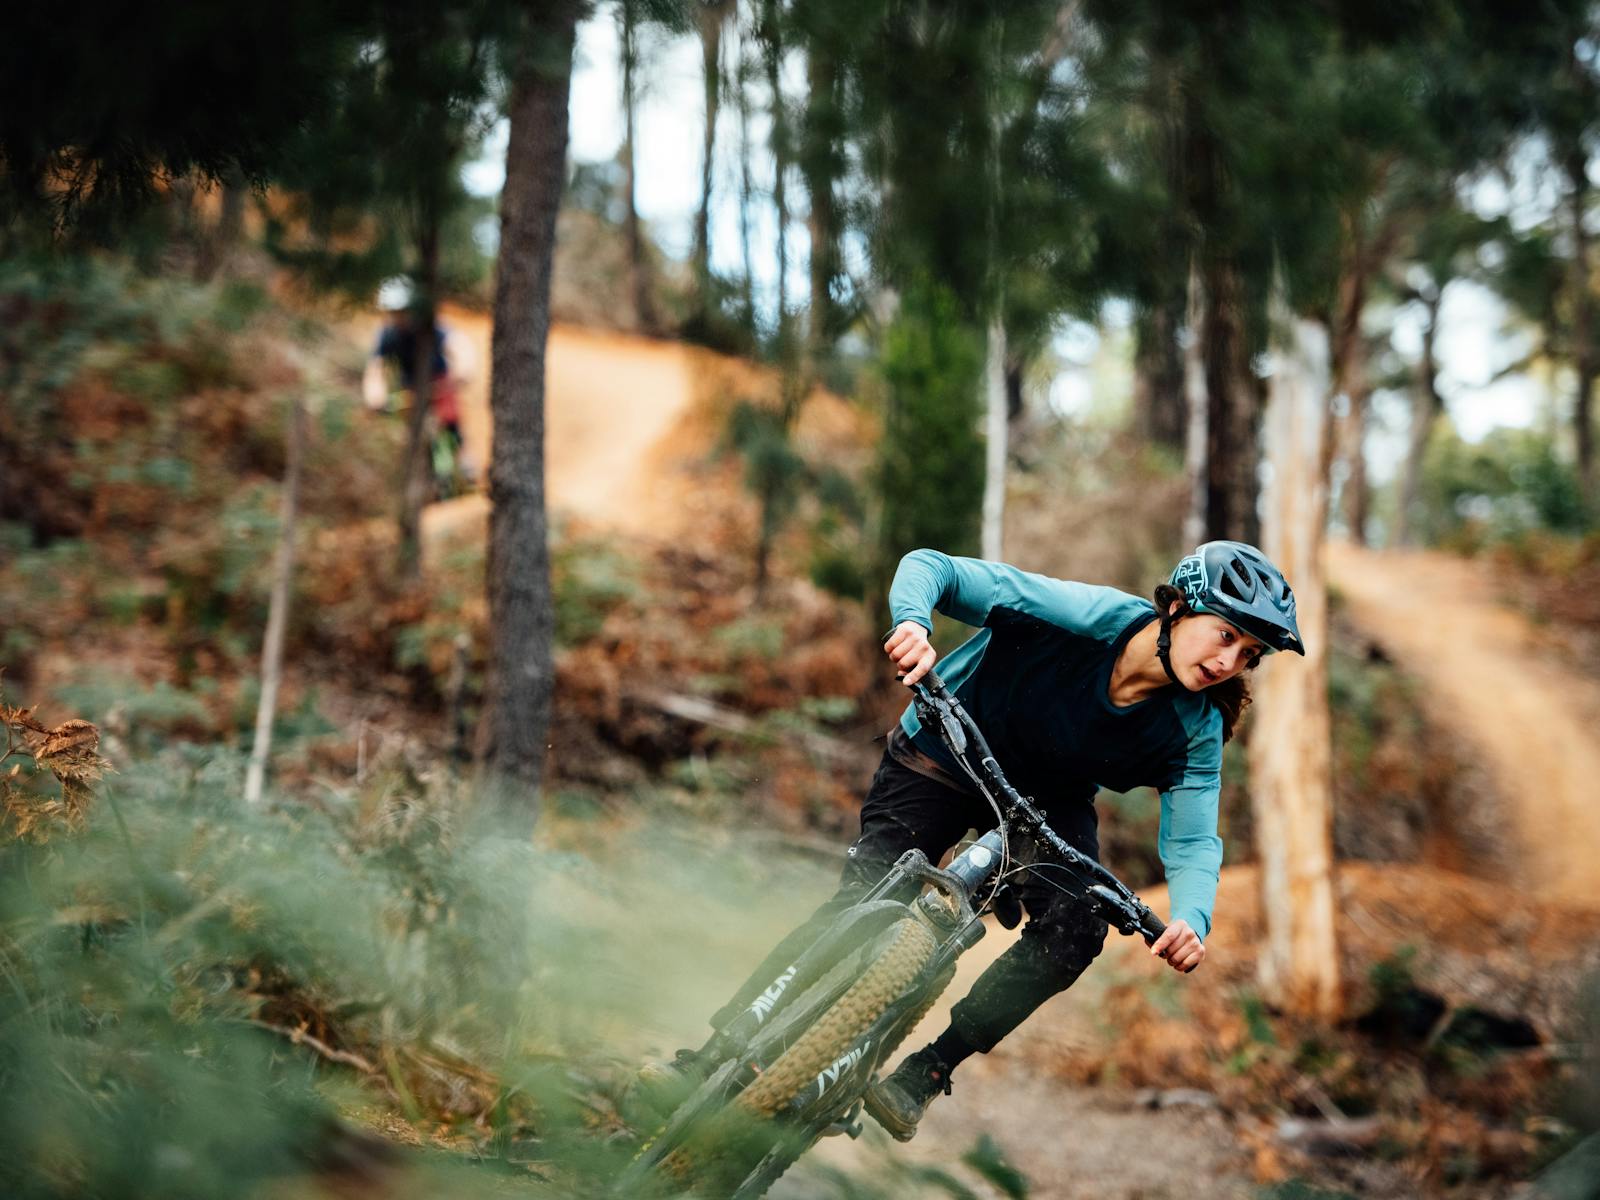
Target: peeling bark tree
1290	758
516	716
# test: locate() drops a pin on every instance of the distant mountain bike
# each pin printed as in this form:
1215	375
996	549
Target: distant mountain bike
793	1066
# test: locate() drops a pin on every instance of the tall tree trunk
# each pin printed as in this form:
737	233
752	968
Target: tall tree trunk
1198	404
277	606
1363	255
1290	756
817	163
516	714
1426	407
771	33
417	475
1583	347
1231	408
1357	495
996	427
1158	392
712	15
639	281
746	188
996	430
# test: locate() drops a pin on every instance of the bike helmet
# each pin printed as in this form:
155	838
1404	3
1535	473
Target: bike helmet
396	294
1235	581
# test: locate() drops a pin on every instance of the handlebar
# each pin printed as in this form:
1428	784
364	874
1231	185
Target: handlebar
1102	891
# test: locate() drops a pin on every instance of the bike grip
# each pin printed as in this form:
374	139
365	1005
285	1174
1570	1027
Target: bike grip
1152	927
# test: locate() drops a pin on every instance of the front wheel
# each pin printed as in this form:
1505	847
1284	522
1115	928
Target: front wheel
736	1151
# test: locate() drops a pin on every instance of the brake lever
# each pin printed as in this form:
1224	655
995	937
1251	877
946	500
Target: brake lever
953	730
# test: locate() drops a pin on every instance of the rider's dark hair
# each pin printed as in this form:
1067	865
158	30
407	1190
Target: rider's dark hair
1232	696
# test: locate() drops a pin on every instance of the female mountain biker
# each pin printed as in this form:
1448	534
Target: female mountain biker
1076	687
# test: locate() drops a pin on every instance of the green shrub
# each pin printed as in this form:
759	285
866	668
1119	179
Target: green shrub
590	580
930	459
1505	486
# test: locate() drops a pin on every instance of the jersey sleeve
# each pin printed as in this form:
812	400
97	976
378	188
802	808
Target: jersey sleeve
1191	851
971	589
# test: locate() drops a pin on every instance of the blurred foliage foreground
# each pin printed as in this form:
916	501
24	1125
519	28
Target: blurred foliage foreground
191	992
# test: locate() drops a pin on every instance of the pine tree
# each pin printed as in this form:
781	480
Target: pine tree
516	714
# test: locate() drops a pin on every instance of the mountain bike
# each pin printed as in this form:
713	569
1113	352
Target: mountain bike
793	1066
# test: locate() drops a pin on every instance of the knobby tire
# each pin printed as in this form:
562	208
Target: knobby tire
713	1157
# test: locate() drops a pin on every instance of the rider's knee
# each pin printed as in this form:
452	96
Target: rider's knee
1070	940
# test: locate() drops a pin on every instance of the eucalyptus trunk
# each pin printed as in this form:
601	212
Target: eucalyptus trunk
817	162
1291	775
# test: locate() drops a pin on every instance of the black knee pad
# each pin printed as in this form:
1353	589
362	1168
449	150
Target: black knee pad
1069	937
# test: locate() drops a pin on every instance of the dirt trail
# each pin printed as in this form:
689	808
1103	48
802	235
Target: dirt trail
1491	680
630	424
613	403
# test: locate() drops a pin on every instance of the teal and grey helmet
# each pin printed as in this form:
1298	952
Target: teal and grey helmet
1235	581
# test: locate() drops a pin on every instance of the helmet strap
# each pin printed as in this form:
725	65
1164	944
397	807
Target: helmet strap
1164	647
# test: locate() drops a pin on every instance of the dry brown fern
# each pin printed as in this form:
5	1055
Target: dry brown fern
70	752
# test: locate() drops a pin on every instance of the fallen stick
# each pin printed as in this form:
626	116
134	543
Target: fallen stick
301	1038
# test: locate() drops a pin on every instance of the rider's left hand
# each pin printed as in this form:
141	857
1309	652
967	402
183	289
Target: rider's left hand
1180	946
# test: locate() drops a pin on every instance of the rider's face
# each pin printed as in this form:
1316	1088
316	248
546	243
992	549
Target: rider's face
1206	650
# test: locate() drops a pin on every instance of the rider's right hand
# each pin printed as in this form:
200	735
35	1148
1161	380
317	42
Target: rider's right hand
908	648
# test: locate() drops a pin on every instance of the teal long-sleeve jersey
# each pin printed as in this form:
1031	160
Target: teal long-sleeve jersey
1036	678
